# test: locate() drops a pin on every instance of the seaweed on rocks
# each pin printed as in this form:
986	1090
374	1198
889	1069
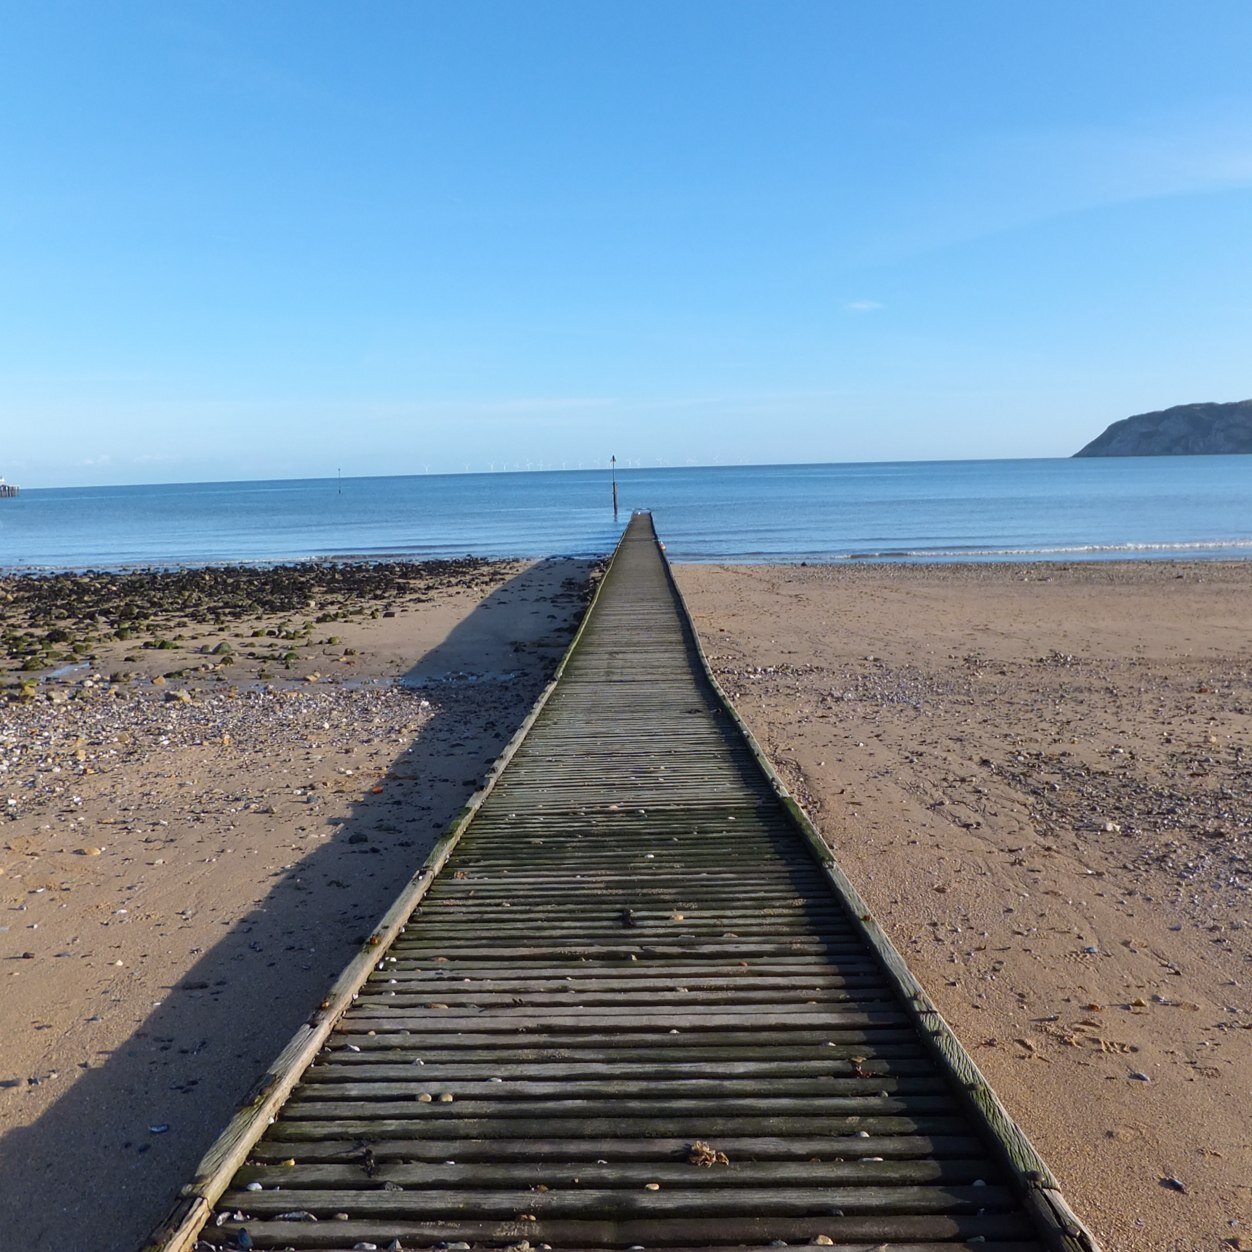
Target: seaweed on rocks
50	618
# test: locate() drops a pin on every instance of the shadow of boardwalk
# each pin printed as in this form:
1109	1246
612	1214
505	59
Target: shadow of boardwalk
233	1011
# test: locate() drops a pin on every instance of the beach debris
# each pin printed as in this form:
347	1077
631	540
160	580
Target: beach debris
1138	1075
701	1153
1173	1184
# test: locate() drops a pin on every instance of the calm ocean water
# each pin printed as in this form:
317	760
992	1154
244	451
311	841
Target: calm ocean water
1142	507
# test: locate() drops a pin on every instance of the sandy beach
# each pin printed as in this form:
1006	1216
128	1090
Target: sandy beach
197	832
1040	776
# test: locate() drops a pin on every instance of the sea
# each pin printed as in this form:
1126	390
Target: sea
1086	509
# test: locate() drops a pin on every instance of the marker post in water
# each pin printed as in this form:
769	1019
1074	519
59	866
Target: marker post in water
613	471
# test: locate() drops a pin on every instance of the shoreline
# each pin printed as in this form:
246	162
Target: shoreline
219	624
1040	779
1188	552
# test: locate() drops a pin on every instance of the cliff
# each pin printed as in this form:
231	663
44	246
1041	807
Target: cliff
1185	430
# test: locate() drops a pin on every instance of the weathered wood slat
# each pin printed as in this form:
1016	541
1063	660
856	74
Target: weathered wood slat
695	1126
649	1049
304	1105
334	1085
640	974
642	983
632	1003
808	1174
373	1014
628	948
640	1232
713	1044
623	1004
623	1202
364	1066
656	1150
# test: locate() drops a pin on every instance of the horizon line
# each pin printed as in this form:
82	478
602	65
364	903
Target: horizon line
623	466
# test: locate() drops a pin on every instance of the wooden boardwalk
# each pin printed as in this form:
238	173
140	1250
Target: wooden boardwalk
630	1002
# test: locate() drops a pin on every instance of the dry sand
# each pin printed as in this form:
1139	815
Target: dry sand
186	866
1041	779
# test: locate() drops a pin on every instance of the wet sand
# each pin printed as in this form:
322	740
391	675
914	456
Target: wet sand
1041	779
194	838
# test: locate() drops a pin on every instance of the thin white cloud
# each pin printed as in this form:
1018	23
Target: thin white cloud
1044	173
1009	180
863	306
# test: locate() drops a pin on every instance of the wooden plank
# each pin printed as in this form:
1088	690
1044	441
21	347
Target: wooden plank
642	1232
334	1086
624	1202
765	970
304	1106
465	1049
372	1014
642	983
691	1126
363	1067
794	1148
712	1044
588	1173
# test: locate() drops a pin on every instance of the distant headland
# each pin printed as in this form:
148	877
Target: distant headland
1184	430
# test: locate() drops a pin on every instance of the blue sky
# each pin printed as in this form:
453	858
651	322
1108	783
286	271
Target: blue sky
250	241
